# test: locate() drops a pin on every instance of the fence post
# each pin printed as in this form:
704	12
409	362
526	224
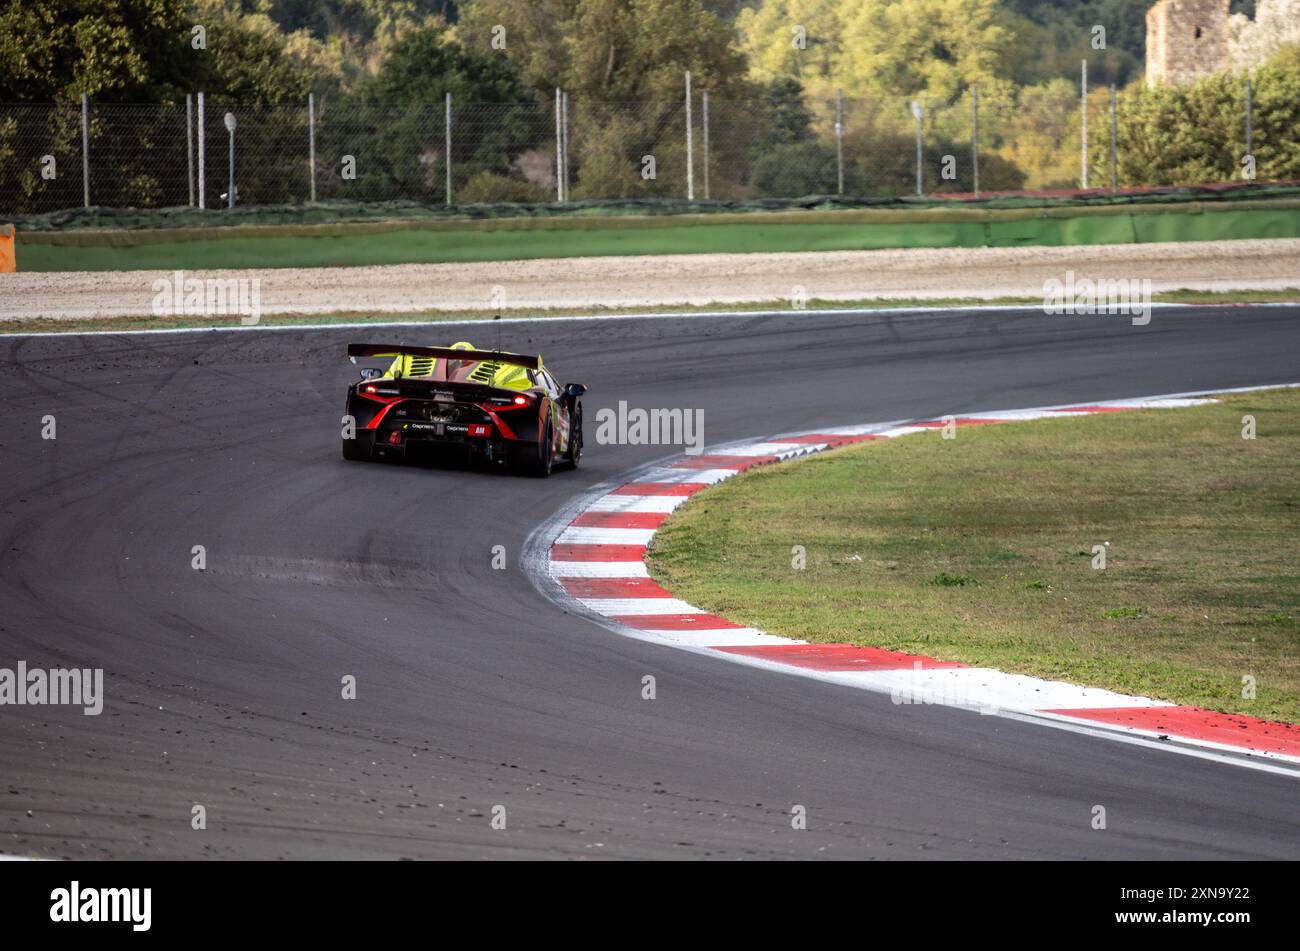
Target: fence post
918	112
202	165
975	135
85	151
311	142
1083	124
1250	123
705	119
448	148
690	158
230	189
564	112
189	145
559	150
839	141
1114	141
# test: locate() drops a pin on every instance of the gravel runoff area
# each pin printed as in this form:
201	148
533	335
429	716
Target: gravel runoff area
685	279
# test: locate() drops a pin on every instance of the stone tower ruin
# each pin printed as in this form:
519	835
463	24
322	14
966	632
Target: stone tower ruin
1186	39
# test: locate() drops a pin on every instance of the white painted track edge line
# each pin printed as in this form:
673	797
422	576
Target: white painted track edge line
1236	756
1165	739
673	315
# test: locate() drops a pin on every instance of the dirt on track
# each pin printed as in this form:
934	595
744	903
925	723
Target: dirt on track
677	280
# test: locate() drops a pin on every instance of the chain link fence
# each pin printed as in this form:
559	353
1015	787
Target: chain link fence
40	158
137	156
153	156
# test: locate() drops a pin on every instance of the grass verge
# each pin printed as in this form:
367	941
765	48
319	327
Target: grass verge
60	325
980	549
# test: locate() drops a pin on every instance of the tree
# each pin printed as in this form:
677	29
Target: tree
796	170
1252	42
1043	137
614	50
794	39
625	50
622	63
1277	116
930	48
534	36
108	49
1061	34
248	60
427	64
788	120
394	125
362	20
144	51
1178	135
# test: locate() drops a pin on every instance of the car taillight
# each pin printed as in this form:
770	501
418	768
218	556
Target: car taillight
380	393
500	404
395	438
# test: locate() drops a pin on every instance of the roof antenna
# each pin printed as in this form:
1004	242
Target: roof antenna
498	317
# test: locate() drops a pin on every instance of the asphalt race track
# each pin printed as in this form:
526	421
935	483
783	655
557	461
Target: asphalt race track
223	686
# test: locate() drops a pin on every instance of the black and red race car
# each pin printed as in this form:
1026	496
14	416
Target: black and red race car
501	408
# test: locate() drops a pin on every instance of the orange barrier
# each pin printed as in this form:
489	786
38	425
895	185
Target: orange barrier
8	256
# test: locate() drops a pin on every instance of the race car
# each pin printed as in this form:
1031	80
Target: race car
500	408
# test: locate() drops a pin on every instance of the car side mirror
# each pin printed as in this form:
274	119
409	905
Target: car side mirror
574	390
369	373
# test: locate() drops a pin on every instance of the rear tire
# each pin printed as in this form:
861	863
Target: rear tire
541	463
359	448
574	455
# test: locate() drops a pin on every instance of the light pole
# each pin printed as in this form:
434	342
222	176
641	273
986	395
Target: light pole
919	113
230	127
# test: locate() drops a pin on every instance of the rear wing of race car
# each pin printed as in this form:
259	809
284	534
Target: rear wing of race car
441	353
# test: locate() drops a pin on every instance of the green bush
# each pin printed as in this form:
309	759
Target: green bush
491	188
1182	135
795	170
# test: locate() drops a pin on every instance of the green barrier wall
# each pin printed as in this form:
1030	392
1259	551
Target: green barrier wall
451	241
